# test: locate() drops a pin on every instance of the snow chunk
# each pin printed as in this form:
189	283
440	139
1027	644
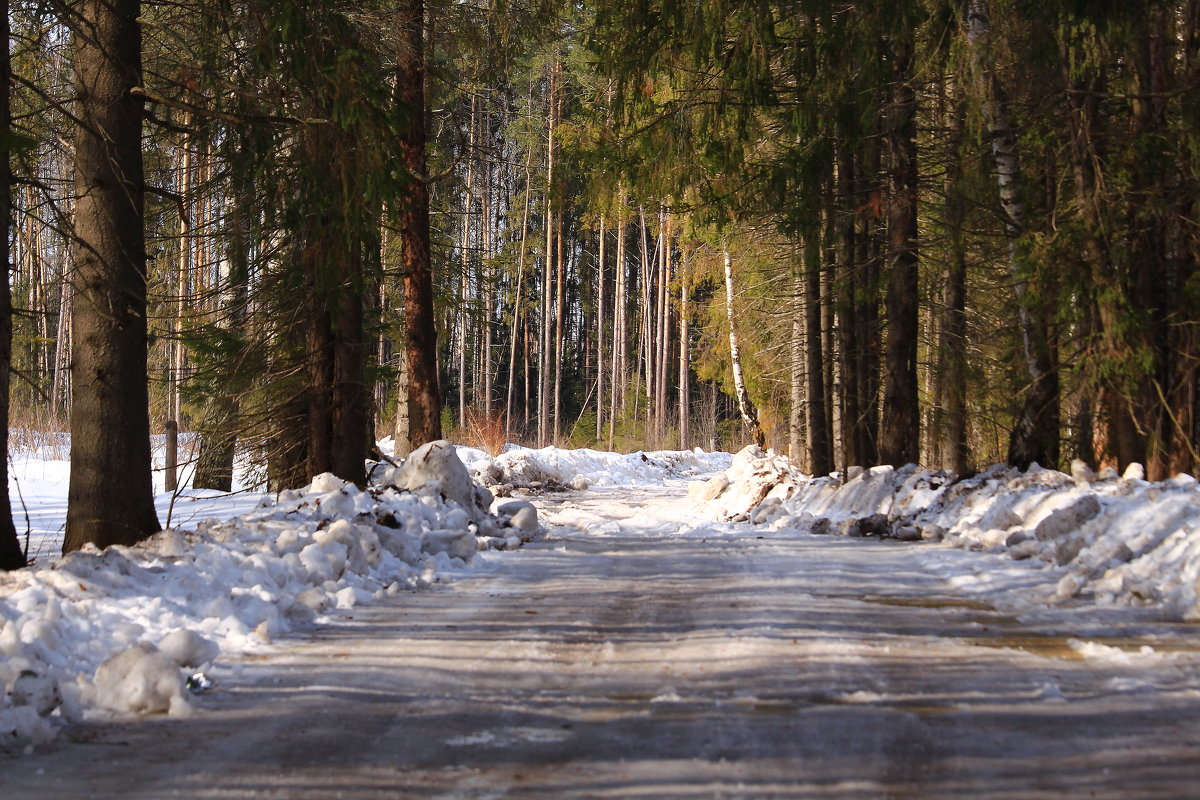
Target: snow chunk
437	464
188	648
141	680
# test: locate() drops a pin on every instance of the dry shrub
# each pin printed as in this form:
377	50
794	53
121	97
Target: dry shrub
486	431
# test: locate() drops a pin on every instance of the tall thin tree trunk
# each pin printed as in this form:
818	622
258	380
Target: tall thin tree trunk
646	321
664	328
745	407
560	302
184	268
517	299
620	303
796	438
685	406
424	401
600	339
820	446
11	555
465	266
1035	435
900	439
111	496
545	367
952	327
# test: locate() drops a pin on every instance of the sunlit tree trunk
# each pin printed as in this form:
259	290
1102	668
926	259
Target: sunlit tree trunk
746	408
420	332
685	405
620	303
110	499
600	339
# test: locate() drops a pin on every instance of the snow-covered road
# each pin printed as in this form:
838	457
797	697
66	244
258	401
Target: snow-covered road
642	652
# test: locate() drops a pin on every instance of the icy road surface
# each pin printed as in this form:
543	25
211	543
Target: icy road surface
632	655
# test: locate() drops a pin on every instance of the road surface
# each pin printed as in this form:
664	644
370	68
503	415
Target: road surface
631	657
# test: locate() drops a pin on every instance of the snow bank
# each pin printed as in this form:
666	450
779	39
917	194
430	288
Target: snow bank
556	469
1113	540
115	629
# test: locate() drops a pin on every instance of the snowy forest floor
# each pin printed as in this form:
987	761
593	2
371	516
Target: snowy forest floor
641	650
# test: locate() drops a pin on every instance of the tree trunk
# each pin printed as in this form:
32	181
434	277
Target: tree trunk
545	367
685	406
900	438
465	265
560	312
952	326
620	303
745	407
796	437
600	339
1184	377
851	291
184	268
664	329
11	555
821	462
111	495
1034	437
420	331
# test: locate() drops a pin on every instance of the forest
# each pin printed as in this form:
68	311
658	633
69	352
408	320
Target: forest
949	232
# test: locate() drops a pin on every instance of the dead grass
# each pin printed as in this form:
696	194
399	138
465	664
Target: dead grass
486	431
35	431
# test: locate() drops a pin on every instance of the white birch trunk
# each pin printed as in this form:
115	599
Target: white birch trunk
685	410
600	331
745	406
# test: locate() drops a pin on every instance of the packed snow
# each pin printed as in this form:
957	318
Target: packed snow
136	630
121	629
552	468
1108	539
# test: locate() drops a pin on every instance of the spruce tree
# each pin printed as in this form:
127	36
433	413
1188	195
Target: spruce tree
110	498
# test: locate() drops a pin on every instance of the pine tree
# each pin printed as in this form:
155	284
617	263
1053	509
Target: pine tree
424	399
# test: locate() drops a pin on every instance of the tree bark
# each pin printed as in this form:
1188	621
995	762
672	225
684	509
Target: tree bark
796	437
464	277
11	554
111	497
746	408
900	438
545	367
420	330
620	303
1034	437
600	338
952	326
821	459
685	406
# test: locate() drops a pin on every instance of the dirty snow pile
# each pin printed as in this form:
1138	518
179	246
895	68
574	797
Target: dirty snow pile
556	469
1111	539
120	629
